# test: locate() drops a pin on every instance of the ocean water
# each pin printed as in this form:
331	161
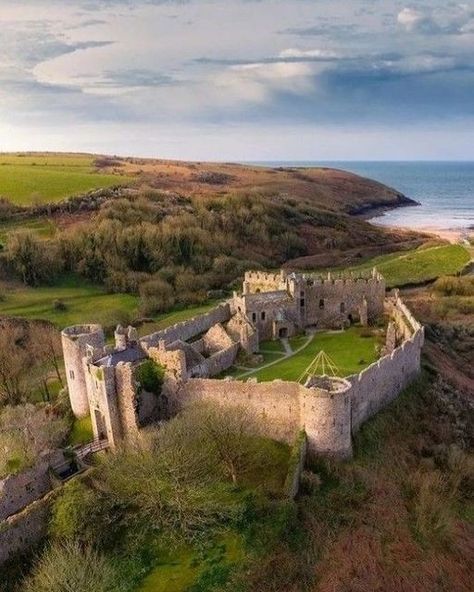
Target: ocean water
444	189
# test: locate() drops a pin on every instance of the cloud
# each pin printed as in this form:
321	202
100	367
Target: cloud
458	21
295	53
241	63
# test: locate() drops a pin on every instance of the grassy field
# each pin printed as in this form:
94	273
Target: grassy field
349	350
178	570
419	265
30	179
84	303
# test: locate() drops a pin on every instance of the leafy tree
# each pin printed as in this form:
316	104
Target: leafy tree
35	261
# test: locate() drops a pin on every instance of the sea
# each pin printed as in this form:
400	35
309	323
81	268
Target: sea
445	190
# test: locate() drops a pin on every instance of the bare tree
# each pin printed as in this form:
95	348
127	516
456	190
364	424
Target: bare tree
230	437
15	360
28	430
45	345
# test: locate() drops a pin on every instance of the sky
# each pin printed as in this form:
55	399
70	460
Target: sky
239	80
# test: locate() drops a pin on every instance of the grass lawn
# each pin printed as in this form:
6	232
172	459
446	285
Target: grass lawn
270	357
28	179
81	431
271	346
418	266
349	351
84	303
177	571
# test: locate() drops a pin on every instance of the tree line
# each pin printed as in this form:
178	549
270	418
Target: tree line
169	250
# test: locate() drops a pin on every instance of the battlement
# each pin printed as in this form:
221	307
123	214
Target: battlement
265	276
82	332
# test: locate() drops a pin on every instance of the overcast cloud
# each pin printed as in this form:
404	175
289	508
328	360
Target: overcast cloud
239	79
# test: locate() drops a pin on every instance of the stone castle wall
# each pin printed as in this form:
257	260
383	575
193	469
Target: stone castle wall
282	408
23	530
188	329
19	490
104	409
312	300
263	281
275	404
218	362
379	384
329	302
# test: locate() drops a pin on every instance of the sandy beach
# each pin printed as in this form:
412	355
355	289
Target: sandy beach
453	235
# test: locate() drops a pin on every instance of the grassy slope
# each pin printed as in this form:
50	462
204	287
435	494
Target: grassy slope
26	180
398	517
178	569
419	265
84	302
81	431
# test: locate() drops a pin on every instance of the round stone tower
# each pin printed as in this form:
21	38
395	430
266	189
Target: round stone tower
326	415
75	340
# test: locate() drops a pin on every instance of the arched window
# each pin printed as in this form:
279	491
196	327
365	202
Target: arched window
343	307
263	315
321	303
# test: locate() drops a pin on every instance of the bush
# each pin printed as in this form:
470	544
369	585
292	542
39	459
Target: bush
88	516
69	566
156	296
455	286
33	260
59	305
150	375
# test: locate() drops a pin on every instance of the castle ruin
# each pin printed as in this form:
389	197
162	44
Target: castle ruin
106	381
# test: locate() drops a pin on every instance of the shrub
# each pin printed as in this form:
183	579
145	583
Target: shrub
150	376
455	286
69	566
88	516
156	296
59	305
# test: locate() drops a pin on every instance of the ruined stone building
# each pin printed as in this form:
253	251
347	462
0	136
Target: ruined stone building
108	382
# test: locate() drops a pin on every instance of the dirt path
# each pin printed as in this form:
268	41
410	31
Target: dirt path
283	357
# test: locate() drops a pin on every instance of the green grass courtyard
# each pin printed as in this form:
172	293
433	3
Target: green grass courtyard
351	351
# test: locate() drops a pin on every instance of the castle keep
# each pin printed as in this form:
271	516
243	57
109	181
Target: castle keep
108	382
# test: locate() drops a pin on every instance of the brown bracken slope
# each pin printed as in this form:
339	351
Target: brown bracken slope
326	188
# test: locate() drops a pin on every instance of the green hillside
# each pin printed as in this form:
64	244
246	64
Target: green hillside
30	179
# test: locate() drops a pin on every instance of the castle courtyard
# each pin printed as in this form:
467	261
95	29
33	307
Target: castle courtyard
351	351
